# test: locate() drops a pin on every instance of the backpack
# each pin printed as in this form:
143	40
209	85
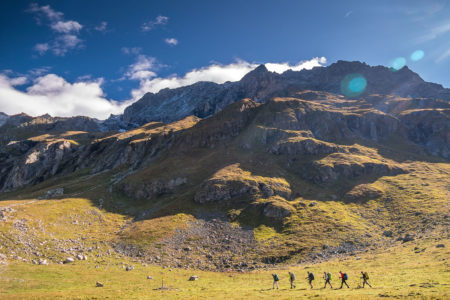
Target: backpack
366	275
329	276
292	276
345	276
275	277
311	276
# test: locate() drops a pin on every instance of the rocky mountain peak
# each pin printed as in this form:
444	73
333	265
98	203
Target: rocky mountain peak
259	73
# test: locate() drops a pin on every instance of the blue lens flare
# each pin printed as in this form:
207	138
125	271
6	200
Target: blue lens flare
398	63
417	55
353	85
358	84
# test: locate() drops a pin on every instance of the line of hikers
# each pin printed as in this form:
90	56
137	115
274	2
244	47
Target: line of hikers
326	277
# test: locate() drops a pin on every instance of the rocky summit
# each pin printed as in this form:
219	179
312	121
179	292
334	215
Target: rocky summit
274	168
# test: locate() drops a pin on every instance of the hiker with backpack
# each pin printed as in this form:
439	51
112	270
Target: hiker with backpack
365	277
327	277
275	280
310	279
292	279
344	278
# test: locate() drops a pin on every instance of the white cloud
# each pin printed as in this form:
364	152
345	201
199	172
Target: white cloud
67	32
217	73
348	14
54	95
142	68
159	20
42	48
66	26
171	41
308	65
102	27
18	81
46	11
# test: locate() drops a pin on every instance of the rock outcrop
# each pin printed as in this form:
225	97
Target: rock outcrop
233	182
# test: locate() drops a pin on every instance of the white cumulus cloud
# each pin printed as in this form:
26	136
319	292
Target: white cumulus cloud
54	95
171	41
66	26
142	68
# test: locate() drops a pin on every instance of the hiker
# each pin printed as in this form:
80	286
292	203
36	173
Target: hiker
310	279
344	279
292	279
275	280
327	277
365	277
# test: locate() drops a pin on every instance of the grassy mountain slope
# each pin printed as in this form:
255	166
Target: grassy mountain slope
296	179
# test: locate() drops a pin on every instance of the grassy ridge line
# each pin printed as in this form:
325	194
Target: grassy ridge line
398	272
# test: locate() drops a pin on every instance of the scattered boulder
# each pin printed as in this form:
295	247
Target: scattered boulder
81	257
42	261
193	278
149	277
440	246
99	284
129	268
312	204
69	260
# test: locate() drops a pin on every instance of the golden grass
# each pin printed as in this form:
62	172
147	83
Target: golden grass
397	272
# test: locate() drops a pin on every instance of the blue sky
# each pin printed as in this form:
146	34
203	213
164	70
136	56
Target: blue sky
95	57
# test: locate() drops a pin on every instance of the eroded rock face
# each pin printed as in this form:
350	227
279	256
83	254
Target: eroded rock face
231	182
429	128
38	163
